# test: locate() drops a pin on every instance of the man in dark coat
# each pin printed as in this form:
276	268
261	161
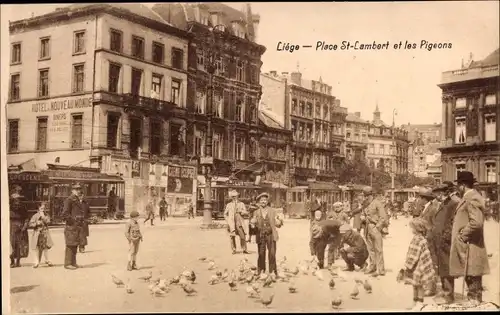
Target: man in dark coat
75	213
441	237
19	218
468	256
111	203
326	232
357	252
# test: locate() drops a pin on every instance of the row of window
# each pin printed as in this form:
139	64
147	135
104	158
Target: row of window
489	124
306	110
464	102
138	49
357	137
44	51
239	70
239	148
42	130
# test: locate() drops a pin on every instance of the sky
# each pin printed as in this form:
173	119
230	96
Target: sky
405	80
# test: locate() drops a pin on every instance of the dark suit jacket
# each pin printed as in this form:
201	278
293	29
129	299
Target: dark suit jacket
257	214
441	235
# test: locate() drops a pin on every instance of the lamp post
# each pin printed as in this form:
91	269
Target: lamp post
394	112
207	160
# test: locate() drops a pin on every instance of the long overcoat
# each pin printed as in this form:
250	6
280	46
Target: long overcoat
75	213
468	223
441	235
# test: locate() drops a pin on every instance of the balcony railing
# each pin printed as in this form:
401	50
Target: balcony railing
470	74
305	171
135	101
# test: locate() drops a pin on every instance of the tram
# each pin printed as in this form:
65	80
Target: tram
53	186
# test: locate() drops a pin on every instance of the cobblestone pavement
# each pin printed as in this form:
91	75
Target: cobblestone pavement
170	246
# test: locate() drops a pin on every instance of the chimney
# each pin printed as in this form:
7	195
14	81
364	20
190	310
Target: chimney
337	103
296	78
273	73
256	21
357	114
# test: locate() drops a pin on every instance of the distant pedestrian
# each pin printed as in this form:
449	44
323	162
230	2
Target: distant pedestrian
163	205
111	203
190	210
134	237
150	212
419	269
41	241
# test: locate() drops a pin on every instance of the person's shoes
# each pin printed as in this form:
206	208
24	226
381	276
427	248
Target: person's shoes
82	249
245	252
349	268
70	267
134	266
49	264
129	266
77	266
35	266
234	252
12	263
18	263
381	273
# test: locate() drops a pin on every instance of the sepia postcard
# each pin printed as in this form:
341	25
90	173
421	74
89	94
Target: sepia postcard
250	157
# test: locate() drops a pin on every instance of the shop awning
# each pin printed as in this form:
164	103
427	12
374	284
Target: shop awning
323	186
27	166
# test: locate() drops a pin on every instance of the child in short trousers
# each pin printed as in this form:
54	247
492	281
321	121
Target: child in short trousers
134	237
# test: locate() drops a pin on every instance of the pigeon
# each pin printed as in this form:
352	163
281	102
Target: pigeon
268	282
355	292
175	280
211	265
292	288
252	267
266	301
128	287
262	277
147	277
189	289
367	286
186	274
213	280
218	273
157	291
358	281
331	284
249	278
304	269
202	258
192	277
119	283
319	275
252	293
225	275
336	302
295	271
232	285
162	284
183	281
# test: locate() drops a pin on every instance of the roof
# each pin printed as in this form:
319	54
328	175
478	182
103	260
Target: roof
490	60
353	118
179	14
267	120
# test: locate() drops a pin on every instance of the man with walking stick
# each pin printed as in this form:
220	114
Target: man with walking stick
468	257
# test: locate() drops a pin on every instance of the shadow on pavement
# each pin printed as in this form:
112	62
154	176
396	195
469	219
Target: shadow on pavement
93	265
24	288
90	251
145	267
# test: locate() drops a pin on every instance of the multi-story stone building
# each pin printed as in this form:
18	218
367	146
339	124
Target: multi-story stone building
236	89
428	133
387	146
470	130
104	86
356	137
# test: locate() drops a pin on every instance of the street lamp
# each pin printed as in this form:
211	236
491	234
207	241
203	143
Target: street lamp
207	160
393	166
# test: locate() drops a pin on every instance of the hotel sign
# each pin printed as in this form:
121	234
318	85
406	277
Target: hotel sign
61	105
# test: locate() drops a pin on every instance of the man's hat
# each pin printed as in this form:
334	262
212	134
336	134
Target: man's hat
367	190
264	194
338	204
344	228
233	193
134	214
76	186
445	186
465	177
426	193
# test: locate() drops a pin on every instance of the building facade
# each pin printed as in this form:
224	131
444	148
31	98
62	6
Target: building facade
236	89
470	130
115	100
356	137
387	146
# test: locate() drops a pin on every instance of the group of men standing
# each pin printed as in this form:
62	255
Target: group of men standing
455	217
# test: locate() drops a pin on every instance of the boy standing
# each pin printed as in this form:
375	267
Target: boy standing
134	237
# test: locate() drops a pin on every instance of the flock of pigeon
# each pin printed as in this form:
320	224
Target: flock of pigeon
247	275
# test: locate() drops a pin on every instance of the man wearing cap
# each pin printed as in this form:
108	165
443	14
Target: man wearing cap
75	212
375	220
18	220
233	214
266	222
468	256
441	237
326	232
357	252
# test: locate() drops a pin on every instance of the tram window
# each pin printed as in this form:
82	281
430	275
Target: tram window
299	197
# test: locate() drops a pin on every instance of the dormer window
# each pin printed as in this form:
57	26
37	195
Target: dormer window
201	16
238	30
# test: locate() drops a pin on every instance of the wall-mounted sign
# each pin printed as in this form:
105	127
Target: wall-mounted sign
62	105
180	185
181	172
27	177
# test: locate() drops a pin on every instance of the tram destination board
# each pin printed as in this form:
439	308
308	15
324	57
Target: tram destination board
28	177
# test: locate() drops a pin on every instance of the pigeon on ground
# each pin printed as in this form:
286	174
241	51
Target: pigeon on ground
147	277
367	286
117	281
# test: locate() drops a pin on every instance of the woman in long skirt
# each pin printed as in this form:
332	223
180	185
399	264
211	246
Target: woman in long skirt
41	241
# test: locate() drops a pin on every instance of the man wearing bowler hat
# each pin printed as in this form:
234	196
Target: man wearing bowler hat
441	238
234	219
468	257
75	213
375	220
266	221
